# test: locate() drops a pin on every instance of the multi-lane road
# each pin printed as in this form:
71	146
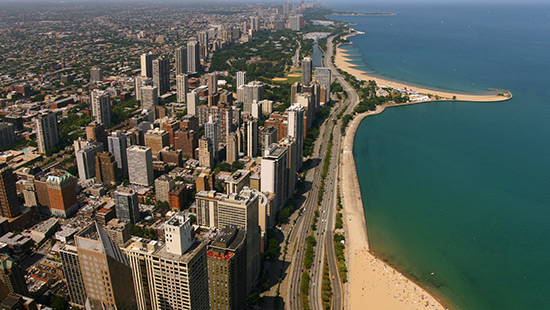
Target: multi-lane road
325	225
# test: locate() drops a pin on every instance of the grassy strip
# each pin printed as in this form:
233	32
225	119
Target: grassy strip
326	289
339	248
324	172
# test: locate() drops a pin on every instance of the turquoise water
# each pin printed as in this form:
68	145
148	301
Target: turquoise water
462	189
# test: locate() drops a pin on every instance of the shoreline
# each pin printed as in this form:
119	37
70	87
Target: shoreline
423	94
372	283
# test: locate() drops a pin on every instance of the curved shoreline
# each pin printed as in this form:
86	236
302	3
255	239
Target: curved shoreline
373	283
342	61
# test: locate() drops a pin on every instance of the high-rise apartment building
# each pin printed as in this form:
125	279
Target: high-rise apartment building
269	136
192	102
161	75
9	202
140	82
47	132
149	97
296	22
295	129
126	205
181	60
105	270
140	165
212	83
117	146
157	139
12	277
147	65
163	185
324	77
248	93
62	188
101	107
85	160
254	23
139	252
274	174
72	274
226	257
193	56
241	210
252	138
7	134
106	168
211	131
179	269
232	148
182	87
241	78
96	132
206	153
96	75
187	141
306	70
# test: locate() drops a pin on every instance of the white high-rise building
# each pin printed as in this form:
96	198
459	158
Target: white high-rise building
306	70
140	165
248	93
141	82
85	160
241	78
324	76
149	97
101	107
147	65
192	102
117	146
47	132
182	87
295	129
211	131
274	175
255	23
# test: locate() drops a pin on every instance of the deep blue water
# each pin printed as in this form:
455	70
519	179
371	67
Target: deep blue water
461	189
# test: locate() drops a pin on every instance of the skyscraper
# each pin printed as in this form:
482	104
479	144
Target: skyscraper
296	22
101	107
324	76
212	83
248	93
85	160
193	57
206	153
187	141
72	274
274	174
182	87
179	269
181	60
140	165
306	71
192	102
157	139
117	146
126	205
96	75
251	138
61	187
241	210
232	149
241	78
106	168
226	257
149	97
163	185
161	75
9	202
147	65
211	131
47	131
295	130
105	269
254	23
141	82
12	277
269	136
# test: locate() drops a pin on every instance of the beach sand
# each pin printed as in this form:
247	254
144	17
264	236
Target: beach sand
372	284
342	62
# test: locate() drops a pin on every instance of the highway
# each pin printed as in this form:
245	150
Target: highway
325	224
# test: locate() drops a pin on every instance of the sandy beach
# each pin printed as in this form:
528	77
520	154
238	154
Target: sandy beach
342	62
372	284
